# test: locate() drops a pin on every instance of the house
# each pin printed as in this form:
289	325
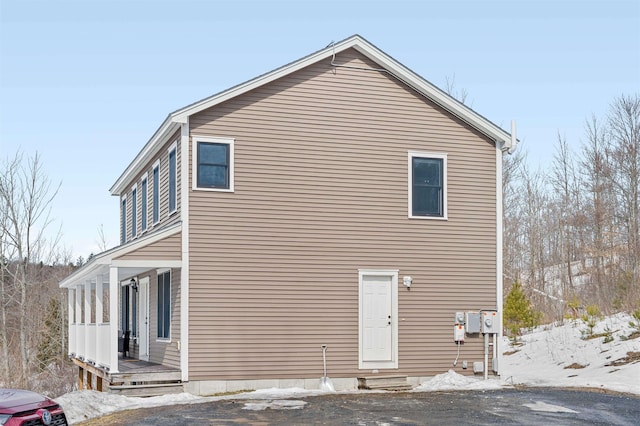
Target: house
339	200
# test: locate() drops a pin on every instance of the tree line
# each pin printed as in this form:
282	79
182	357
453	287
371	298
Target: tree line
571	231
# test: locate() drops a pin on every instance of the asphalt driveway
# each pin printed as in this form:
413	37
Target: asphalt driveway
535	406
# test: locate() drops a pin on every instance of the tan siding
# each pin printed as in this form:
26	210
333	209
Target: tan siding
164	352
163	216
169	248
320	192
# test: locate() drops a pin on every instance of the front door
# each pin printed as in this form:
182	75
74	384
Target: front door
378	325
143	319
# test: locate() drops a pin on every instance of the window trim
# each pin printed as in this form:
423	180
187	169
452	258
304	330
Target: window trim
155	195
194	170
160	272
134	212
430	155
123	224
172	148
144	205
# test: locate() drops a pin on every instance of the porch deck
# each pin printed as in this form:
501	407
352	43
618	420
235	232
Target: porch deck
134	378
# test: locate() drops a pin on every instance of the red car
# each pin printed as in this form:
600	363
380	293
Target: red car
26	408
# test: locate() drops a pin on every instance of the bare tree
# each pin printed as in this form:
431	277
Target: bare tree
624	148
26	195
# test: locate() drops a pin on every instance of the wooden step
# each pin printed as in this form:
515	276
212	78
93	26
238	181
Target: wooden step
392	383
154	389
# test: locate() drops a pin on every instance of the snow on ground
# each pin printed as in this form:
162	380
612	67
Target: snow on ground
539	360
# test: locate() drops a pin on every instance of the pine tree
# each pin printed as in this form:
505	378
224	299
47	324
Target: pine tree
518	312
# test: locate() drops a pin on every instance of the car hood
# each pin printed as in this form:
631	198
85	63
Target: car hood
16	400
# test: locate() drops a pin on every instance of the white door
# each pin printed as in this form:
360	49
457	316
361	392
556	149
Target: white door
143	319
378	325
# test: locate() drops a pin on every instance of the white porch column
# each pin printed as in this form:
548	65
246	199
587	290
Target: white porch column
87	318
99	299
71	302
113	319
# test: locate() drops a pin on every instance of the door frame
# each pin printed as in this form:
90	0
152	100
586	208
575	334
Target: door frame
393	274
143	319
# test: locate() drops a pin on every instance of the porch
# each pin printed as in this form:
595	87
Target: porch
134	378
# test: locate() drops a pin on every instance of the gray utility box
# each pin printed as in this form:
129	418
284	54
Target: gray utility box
472	323
490	323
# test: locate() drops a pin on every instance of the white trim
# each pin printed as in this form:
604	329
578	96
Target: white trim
194	167
134	211
393	273
172	147
123	217
158	273
184	272
154	263
410	156
156	201
144	211
114	302
497	350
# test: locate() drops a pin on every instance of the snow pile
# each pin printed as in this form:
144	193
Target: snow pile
452	380
83	405
560	356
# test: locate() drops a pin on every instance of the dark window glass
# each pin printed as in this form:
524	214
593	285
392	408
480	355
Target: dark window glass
124	309
143	194
134	213
213	165
134	313
123	227
427	187
164	304
156	193
172	180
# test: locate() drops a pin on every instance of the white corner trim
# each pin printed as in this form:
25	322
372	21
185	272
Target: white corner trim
497	350
184	272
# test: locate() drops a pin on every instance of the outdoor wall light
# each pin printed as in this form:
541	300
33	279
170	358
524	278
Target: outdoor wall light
407	282
134	284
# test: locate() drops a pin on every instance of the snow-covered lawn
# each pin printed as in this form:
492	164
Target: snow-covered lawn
541	359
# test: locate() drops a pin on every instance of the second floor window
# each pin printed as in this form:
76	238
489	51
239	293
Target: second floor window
213	164
156	193
428	185
172	179
134	212
143	204
123	222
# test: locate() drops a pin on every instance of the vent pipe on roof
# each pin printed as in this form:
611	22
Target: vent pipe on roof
514	139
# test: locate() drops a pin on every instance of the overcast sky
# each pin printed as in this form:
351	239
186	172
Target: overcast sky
86	83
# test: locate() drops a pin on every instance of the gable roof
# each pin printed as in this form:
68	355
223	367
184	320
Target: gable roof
387	64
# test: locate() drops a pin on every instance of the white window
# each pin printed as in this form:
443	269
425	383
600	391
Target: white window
427	185
156	192
123	220
173	178
213	165
134	211
143	203
164	305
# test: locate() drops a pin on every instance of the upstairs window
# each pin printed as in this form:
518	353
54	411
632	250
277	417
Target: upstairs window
156	192
173	180
143	204
134	211
428	185
123	221
213	165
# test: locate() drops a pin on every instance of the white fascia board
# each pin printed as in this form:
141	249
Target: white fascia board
152	147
